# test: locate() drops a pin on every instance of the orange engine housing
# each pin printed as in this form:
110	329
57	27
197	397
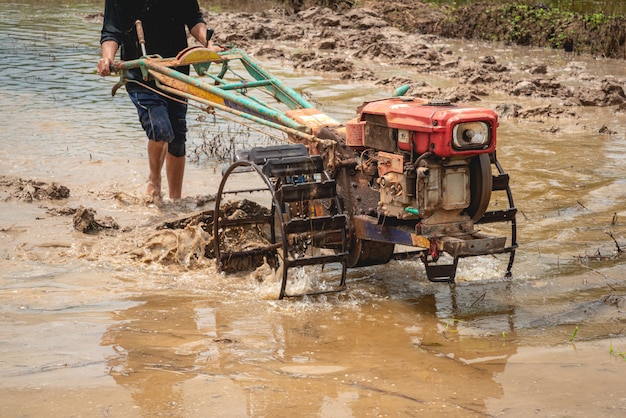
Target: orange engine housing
417	125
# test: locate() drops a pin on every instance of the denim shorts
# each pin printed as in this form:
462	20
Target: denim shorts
163	119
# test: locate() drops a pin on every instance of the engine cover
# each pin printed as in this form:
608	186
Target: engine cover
420	126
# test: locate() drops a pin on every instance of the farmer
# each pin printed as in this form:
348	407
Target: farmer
162	118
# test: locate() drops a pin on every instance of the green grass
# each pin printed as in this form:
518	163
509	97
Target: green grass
584	7
616	353
571	339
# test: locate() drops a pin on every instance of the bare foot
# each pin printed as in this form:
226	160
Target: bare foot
154	189
154	195
153	200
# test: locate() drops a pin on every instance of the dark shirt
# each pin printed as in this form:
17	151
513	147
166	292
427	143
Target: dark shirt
163	22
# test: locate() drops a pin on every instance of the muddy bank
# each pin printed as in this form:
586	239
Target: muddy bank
513	23
355	42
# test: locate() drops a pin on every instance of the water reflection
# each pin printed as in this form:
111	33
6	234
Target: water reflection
182	355
147	341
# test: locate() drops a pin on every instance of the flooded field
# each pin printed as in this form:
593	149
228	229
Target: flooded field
91	325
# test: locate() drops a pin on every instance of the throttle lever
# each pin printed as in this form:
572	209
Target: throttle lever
141	36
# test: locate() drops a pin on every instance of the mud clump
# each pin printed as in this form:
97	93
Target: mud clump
31	190
85	221
609	94
547	111
312	61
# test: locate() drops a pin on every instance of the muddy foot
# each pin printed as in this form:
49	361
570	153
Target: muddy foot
154	200
153	195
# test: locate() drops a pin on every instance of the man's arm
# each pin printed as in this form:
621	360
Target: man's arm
110	38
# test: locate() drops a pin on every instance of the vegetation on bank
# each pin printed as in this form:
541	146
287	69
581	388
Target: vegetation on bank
595	33
597	28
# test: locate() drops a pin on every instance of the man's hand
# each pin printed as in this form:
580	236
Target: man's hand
104	67
109	49
202	35
214	48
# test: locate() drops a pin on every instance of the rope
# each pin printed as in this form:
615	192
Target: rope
162	93
210	110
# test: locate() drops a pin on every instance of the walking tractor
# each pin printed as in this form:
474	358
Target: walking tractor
405	176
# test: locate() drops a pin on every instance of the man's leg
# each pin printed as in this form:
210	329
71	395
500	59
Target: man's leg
175	170
157	151
175	160
153	115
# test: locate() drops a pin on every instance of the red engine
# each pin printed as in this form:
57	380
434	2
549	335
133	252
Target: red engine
426	157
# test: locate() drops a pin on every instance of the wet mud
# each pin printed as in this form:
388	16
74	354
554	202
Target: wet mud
113	306
336	42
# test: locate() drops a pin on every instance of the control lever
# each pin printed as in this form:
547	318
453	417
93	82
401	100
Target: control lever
140	36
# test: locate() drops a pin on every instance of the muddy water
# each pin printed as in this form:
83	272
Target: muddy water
88	330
